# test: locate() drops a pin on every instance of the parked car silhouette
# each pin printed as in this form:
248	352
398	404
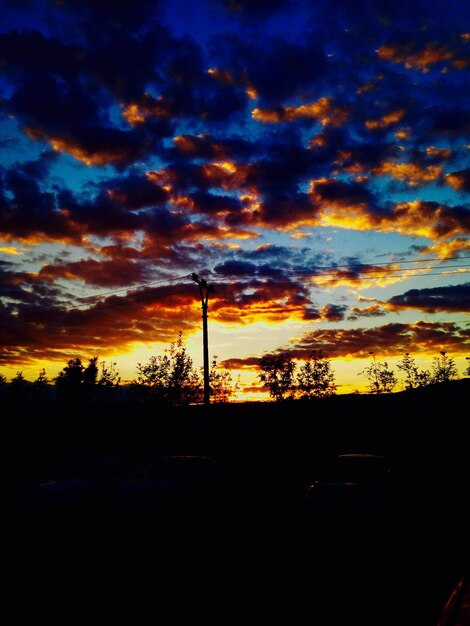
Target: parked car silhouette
355	482
171	482
85	484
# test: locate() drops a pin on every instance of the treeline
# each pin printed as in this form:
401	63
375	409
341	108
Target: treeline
172	380
314	378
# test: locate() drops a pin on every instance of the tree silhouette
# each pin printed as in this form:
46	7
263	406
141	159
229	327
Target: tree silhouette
443	368
108	375
414	377
277	374
467	371
222	387
71	376
381	378
18	388
316	378
41	387
90	372
170	378
79	382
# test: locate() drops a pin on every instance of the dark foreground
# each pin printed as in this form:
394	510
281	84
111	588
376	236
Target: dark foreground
254	552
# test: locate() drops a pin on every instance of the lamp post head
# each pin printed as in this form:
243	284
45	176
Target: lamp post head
195	277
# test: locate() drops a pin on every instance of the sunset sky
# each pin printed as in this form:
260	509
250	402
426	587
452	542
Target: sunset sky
310	159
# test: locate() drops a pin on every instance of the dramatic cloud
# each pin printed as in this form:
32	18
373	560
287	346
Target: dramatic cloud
352	205
387	340
459	180
455	298
323	110
426	338
374	310
112	325
409	173
420	60
297	153
446	250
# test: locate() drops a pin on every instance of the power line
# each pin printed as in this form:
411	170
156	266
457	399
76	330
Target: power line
376	274
420	260
135	287
364	267
358	276
104	305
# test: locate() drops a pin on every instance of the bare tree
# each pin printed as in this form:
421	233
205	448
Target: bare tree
316	378
443	368
381	378
108	375
414	377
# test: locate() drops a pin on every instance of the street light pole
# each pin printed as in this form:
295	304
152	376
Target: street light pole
204	290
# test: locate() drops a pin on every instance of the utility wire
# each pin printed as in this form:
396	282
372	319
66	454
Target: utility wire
132	288
103	305
390	262
350	276
72	303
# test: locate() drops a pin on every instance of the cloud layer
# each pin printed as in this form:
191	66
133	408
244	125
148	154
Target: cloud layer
142	145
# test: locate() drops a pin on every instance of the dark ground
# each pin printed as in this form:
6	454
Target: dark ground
256	554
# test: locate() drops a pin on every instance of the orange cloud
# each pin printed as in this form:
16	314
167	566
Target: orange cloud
250	363
368	276
365	88
226	174
223	232
195	144
403	133
374	310
114	146
227	78
409	173
259	301
386	120
447	249
441	153
114	324
421	60
323	110
11	251
223	76
346	206
134	114
462	63
81	154
137	112
460	181
427	219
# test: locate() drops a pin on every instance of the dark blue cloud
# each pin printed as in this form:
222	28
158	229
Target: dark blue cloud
254	8
454	298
